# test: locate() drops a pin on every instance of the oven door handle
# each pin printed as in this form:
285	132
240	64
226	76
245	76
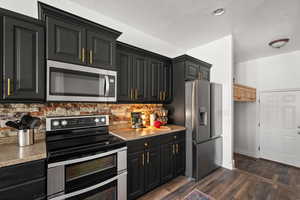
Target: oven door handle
107	86
90	188
77	160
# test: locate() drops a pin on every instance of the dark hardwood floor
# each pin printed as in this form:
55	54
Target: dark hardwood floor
225	184
278	173
255	179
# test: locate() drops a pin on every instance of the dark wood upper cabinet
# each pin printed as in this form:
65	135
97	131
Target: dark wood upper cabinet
147	78
73	39
125	69
194	68
191	70
23	59
154	90
101	50
164	83
139	80
66	41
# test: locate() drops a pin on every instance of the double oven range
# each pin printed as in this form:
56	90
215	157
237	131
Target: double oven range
85	162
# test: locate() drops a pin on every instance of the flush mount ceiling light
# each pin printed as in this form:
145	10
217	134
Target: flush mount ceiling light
279	43
218	12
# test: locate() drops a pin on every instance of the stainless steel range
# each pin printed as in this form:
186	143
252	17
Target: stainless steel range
84	160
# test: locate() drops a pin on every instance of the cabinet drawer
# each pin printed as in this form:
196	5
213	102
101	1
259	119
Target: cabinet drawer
179	135
167	138
13	175
141	144
31	190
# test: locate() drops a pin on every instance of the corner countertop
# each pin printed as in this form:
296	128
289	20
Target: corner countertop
128	134
12	154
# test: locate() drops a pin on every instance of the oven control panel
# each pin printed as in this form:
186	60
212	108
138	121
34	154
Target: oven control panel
61	123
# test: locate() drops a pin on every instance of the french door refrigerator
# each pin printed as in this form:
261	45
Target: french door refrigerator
203	121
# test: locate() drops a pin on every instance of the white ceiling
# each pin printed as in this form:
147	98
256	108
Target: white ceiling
189	23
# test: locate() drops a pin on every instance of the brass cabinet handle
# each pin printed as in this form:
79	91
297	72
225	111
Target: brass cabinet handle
160	96
165	94
143	159
173	145
200	75
177	148
83	54
148	155
136	93
91	57
8	87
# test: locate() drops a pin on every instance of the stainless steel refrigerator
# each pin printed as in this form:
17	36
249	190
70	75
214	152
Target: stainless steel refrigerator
203	121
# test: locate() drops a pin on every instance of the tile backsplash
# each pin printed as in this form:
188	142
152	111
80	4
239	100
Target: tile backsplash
119	113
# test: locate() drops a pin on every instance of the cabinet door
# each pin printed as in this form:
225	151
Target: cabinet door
167	160
191	70
66	41
125	72
35	189
24	64
139	77
154	88
204	73
152	172
100	50
135	177
180	157
165	83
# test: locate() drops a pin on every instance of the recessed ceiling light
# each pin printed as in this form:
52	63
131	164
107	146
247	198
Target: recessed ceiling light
218	12
279	43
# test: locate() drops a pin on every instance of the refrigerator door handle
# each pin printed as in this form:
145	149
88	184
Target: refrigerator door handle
193	107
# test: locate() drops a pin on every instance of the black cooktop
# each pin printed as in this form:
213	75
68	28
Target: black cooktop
74	143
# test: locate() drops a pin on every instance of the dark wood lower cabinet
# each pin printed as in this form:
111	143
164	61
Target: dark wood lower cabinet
135	167
167	162
154	161
152	172
23	181
179	157
30	190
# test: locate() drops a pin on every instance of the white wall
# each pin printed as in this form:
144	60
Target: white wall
270	73
130	34
220	54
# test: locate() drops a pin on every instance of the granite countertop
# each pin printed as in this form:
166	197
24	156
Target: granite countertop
11	154
134	134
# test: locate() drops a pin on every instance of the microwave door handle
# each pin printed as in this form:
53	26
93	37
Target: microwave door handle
106	85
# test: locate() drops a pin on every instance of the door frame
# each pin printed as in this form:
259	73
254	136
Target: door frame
259	131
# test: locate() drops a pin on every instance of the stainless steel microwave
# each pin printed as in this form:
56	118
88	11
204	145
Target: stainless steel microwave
70	82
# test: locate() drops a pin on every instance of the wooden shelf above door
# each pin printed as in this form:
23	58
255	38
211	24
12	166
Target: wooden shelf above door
244	93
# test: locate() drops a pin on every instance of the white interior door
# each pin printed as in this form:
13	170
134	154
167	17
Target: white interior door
280	127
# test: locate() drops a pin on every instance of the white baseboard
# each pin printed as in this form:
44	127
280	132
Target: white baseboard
245	152
227	166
